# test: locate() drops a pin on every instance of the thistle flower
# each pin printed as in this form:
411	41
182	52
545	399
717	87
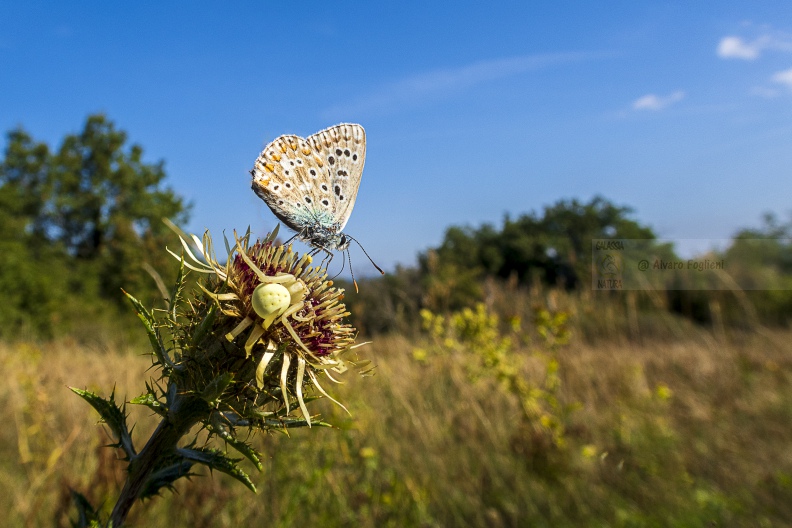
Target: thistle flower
269	318
262	328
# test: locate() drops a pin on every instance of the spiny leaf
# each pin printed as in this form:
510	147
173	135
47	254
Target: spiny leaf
154	336
165	477
215	388
219	429
149	400
112	415
283	412
178	288
215	459
87	515
288	423
203	328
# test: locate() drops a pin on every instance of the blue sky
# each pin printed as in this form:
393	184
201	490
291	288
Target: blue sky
682	110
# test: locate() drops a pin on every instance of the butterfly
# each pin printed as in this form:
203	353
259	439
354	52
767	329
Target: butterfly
311	184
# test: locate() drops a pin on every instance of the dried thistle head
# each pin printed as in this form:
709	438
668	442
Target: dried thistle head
267	317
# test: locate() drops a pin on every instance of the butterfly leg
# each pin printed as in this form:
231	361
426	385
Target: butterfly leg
343	266
327	259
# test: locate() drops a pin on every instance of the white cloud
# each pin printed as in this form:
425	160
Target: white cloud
441	82
783	77
737	48
733	47
656	102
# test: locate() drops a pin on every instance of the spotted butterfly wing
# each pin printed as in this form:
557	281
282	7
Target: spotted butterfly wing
311	184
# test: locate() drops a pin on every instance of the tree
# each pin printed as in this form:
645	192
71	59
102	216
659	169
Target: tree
554	247
93	207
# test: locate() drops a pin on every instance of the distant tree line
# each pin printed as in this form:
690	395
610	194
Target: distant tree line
82	221
552	249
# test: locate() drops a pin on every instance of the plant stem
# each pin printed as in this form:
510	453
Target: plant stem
183	413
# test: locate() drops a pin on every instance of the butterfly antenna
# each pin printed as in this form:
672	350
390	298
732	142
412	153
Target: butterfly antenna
367	255
349	256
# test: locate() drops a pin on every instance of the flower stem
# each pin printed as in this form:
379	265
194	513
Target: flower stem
183	413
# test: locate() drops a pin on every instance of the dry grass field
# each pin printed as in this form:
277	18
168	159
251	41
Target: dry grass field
689	429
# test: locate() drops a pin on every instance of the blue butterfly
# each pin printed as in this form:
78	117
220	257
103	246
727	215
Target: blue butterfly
311	183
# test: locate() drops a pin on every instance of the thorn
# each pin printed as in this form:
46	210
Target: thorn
356	288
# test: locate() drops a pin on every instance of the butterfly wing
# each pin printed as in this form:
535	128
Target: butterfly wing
307	181
343	149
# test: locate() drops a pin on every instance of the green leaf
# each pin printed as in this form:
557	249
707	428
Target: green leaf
203	328
214	459
178	289
112	415
153	333
283	411
288	423
273	235
150	400
218	428
87	516
165	477
215	388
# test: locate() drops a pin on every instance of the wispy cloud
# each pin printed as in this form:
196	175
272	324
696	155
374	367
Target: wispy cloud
766	92
657	102
438	83
783	77
733	47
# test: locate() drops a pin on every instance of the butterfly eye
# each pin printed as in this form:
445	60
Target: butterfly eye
346	153
338	152
275	187
307	199
354	157
324	187
331	160
325	203
287	184
313	172
337	190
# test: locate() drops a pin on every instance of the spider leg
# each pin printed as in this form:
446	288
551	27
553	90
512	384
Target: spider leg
294	309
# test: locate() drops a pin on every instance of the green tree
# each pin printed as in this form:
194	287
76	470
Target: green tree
108	205
82	221
760	261
554	247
